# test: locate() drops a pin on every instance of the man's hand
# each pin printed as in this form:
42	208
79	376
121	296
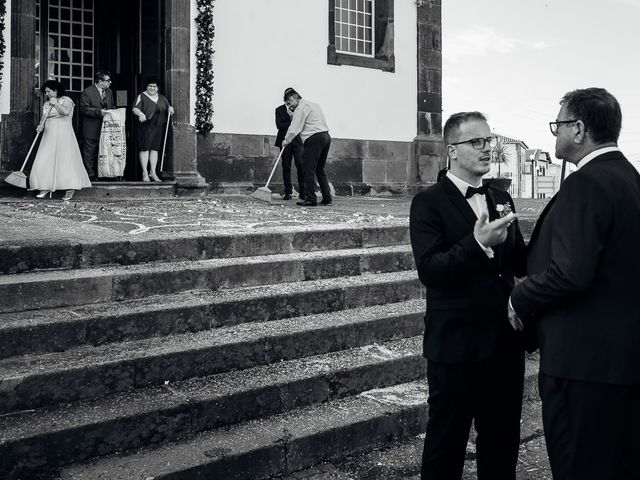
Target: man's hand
514	320
103	112
284	144
171	111
492	233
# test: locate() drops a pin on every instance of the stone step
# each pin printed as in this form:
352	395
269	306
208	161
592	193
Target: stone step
275	445
34	381
16	257
32	441
59	329
402	460
36	290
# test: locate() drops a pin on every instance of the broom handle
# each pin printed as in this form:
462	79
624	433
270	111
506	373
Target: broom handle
33	144
274	167
164	144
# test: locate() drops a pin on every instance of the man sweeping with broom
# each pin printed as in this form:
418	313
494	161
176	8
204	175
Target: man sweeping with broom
308	121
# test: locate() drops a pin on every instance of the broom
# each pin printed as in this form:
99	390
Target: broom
163	175
19	179
263	193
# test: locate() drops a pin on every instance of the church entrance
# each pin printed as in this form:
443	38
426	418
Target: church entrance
76	38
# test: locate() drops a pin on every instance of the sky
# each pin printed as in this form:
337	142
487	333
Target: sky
514	60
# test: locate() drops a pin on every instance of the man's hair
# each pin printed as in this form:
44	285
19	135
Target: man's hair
290	92
598	110
55	86
452	125
100	74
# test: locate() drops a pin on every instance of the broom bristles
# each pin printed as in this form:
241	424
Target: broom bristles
263	194
17	179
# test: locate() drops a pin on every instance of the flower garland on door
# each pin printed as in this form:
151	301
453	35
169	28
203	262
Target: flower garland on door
204	64
3	45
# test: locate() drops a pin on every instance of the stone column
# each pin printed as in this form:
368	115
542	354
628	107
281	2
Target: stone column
18	129
428	147
181	146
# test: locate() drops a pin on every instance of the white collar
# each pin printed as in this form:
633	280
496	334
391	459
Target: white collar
596	153
461	184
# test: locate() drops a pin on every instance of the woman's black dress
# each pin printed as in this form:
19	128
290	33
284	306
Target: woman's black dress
151	131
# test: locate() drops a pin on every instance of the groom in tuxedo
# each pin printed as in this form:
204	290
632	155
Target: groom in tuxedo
467	256
582	297
94	103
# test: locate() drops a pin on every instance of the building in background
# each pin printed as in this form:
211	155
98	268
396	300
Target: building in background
507	162
373	65
541	177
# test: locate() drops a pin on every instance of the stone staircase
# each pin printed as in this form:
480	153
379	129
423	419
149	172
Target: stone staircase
217	357
226	357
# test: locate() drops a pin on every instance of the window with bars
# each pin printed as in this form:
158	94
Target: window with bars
361	34
67	53
354	27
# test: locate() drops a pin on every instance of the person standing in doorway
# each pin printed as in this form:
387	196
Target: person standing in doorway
308	121
467	257
294	149
153	111
94	103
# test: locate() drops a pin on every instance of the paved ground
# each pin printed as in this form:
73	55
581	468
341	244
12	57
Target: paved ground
32	220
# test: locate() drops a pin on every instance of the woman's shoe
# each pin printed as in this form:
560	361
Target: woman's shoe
145	178
42	194
68	195
154	177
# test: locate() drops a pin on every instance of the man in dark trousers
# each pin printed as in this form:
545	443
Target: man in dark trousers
94	102
308	121
294	149
467	255
582	297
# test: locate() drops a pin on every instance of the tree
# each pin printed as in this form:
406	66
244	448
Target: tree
500	155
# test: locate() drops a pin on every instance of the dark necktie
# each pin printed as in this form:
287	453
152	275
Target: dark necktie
471	191
103	94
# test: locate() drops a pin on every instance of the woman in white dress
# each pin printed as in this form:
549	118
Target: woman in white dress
58	163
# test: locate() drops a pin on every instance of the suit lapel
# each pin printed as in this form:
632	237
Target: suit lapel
493	215
459	201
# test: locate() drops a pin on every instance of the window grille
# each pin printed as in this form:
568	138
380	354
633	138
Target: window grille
354	27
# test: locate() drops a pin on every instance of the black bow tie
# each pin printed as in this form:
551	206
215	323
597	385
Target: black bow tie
471	191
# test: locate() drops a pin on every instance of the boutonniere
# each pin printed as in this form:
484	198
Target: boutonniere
503	209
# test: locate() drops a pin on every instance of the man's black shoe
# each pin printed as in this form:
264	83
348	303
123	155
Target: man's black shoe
306	204
287	196
326	202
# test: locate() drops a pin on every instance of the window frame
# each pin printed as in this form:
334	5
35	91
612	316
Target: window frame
383	40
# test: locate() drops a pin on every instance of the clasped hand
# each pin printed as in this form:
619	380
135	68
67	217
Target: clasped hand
492	233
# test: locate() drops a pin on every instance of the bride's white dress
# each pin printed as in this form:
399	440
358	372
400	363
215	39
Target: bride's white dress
58	163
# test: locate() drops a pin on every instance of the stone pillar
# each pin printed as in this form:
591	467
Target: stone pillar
181	156
18	129
428	146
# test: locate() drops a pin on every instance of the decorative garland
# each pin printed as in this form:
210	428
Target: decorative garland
3	46
204	64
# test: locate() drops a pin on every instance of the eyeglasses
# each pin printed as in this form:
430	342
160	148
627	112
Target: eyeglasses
108	80
480	142
553	126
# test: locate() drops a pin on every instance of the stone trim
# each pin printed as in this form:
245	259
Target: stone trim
384	58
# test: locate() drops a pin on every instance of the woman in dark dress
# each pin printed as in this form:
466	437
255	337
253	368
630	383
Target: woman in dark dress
152	110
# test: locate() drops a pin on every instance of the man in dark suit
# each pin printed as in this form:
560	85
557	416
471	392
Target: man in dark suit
94	102
294	149
582	297
467	257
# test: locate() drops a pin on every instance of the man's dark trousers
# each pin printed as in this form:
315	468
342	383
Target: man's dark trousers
586	420
294	150
316	151
489	393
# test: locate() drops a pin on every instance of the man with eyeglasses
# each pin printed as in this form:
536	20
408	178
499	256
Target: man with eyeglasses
467	256
581	296
95	100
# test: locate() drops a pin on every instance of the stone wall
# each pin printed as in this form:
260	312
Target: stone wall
237	163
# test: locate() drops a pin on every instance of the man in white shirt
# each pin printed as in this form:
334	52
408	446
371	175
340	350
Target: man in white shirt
308	121
467	257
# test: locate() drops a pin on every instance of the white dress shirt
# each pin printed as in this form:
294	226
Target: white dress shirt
478	204
307	120
594	154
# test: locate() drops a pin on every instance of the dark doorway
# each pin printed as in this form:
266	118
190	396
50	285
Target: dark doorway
78	37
